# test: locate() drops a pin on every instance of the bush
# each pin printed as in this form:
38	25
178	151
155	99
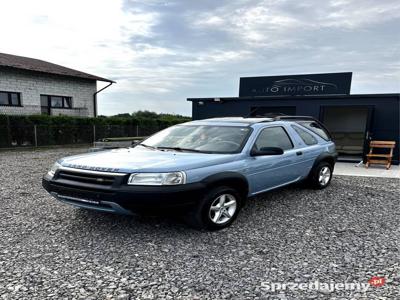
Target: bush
59	130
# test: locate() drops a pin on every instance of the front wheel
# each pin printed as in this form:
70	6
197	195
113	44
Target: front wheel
217	210
321	175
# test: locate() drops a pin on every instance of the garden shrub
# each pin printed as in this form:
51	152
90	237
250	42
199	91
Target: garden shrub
60	130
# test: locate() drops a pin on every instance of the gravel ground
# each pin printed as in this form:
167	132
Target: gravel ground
346	233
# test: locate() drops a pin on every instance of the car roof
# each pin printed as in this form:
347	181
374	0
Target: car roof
256	122
241	121
230	121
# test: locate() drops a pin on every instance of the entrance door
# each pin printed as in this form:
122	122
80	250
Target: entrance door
350	129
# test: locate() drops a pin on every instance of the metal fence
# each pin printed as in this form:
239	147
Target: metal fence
43	135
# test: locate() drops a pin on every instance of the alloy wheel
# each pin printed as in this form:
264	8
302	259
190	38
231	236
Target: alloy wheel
223	208
324	175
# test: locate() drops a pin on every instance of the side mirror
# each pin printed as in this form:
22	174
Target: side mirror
266	151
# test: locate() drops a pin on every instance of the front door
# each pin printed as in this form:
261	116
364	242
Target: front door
270	171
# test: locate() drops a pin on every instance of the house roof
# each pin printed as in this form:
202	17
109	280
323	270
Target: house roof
37	65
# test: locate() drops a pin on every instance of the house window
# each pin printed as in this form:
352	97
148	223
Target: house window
56	101
10	99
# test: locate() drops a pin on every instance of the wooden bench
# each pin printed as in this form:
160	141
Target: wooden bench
380	158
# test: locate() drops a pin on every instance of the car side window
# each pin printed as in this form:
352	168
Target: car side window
273	137
316	128
307	137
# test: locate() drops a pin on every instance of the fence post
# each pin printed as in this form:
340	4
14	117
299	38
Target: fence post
35	133
137	130
94	134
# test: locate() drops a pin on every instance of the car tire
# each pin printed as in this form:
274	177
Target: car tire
321	175
217	210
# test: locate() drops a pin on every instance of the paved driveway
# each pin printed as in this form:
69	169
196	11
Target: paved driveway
347	233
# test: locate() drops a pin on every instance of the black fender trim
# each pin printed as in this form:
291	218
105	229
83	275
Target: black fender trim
325	156
227	177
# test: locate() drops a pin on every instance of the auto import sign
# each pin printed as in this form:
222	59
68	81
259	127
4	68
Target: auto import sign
296	85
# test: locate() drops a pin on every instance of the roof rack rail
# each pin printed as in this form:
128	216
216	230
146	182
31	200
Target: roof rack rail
294	118
277	117
270	115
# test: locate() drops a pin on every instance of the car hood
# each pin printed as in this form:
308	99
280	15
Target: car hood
144	160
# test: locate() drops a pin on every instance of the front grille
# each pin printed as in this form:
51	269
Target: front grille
65	185
98	179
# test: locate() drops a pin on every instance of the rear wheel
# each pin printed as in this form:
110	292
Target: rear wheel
217	210
320	177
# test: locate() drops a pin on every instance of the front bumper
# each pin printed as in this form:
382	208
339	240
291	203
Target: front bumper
125	199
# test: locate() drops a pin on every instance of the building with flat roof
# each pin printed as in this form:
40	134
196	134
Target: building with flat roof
353	120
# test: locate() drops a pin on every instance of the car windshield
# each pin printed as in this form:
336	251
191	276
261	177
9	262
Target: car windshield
200	138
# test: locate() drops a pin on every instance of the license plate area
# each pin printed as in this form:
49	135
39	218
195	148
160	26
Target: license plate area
79	199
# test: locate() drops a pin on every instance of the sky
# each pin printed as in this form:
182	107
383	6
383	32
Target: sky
162	52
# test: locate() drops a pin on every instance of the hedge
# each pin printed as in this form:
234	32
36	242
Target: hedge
162	119
59	130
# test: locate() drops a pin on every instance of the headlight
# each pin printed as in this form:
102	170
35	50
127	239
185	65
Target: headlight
173	178
53	169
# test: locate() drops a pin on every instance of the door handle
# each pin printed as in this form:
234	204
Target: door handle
299	153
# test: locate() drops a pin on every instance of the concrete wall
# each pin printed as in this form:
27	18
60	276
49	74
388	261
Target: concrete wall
32	84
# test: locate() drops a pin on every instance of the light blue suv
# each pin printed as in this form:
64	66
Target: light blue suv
205	169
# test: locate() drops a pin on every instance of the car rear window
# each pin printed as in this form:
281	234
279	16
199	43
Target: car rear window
307	137
316	128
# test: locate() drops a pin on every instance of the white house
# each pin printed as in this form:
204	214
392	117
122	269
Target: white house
32	86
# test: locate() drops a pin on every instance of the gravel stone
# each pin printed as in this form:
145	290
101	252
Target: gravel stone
348	232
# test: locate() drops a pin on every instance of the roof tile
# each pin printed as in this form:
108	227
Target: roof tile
37	65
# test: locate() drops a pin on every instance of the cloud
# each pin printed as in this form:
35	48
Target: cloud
161	52
356	14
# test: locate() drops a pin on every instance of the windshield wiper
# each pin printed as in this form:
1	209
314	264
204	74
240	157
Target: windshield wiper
180	149
147	146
